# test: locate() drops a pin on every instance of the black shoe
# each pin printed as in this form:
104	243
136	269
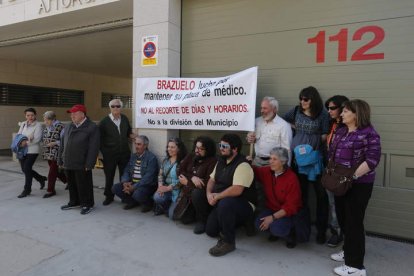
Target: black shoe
290	244
42	182
272	238
321	237
199	228
130	206
335	240
146	208
47	195
24	194
107	201
69	206
86	210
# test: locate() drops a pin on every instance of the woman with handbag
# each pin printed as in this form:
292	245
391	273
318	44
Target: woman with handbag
311	124
168	190
32	129
356	144
334	107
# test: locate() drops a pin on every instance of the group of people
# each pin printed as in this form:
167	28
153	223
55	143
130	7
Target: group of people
267	192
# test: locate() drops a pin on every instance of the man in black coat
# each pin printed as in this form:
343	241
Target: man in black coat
80	147
115	131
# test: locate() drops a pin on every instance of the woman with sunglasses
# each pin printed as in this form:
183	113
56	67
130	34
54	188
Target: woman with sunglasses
116	132
334	107
310	122
168	182
357	144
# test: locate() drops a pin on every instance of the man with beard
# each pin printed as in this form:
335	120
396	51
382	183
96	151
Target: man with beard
194	174
270	131
231	193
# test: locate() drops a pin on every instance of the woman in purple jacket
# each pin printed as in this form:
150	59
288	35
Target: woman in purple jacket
356	144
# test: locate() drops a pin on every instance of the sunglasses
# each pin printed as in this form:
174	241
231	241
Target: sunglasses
115	106
223	146
305	99
333	107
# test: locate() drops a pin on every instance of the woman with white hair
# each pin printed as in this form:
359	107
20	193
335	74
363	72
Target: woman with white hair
51	138
282	197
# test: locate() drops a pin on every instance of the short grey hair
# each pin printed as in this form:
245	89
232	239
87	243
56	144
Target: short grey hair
114	101
143	138
49	115
272	101
281	153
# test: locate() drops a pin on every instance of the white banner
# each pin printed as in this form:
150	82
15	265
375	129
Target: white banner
226	103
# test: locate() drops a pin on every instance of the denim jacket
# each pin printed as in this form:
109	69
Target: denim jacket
149	169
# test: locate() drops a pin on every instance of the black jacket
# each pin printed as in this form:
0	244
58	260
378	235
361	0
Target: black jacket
80	146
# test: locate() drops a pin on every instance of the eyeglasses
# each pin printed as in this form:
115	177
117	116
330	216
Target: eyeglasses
200	148
223	146
304	99
333	107
115	106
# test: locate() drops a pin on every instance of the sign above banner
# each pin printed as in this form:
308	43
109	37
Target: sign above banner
226	103
149	50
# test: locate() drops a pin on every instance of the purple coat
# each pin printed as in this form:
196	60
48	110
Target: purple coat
356	147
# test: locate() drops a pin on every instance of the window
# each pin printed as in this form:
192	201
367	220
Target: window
25	95
107	97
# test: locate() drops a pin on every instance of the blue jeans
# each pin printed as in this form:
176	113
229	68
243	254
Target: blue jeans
141	195
280	227
333	220
164	202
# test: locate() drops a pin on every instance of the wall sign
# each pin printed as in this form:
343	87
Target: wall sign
149	52
342	38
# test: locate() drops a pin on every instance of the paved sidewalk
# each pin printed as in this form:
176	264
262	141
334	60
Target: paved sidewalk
37	238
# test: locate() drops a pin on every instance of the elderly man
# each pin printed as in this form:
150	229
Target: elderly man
270	131
231	193
139	181
194	174
115	132
80	147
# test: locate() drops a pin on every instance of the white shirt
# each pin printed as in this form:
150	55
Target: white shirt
34	134
276	133
116	121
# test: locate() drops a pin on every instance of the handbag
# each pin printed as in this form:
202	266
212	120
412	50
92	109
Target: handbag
337	178
183	203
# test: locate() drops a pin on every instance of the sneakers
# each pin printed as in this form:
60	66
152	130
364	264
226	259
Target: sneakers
221	248
69	206
339	257
86	210
335	240
199	228
345	270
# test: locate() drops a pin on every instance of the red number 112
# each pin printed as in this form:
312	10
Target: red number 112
342	38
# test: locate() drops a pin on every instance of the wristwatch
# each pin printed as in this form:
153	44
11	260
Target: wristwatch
355	177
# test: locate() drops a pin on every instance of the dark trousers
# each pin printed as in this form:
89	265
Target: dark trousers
322	203
27	168
54	173
350	210
142	194
201	205
80	186
228	213
110	164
